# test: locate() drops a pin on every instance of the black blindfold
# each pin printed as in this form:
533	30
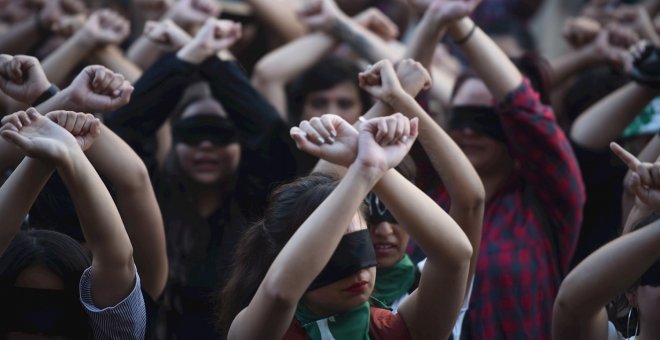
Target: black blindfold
482	119
204	127
354	253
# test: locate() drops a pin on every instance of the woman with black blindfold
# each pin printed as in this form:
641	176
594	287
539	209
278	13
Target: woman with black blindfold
48	287
229	148
321	261
628	265
534	192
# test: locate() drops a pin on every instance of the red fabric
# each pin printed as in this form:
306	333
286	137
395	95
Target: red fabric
384	325
517	274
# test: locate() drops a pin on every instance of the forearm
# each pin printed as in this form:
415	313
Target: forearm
22	36
493	66
570	64
18	193
143	53
608	272
137	205
366	44
112	57
433	230
279	16
293	270
604	121
423	43
59	64
99	218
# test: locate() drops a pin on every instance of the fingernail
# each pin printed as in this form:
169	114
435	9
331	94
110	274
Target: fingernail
321	140
333	133
331	140
404	139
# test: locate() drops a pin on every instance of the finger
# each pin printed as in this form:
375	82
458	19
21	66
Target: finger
328	121
627	158
79	123
640	191
381	130
391	136
311	133
23	118
402	128
69	121
115	85
318	125
303	143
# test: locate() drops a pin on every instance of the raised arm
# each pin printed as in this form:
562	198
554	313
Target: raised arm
463	184
20	190
605	120
579	310
102	27
113	269
157	38
282	65
23	79
280	17
270	312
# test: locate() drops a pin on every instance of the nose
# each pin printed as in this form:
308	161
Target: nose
383	229
205	144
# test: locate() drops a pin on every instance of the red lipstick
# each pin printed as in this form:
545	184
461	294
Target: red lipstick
357	287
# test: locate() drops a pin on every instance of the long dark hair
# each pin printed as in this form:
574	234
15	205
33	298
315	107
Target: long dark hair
289	206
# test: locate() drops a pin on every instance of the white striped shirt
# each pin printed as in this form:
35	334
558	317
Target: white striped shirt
125	320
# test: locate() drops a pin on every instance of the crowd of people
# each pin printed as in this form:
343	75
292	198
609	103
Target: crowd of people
328	169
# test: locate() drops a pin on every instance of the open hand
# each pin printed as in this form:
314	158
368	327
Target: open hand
22	77
384	141
328	137
98	89
39	137
644	178
166	34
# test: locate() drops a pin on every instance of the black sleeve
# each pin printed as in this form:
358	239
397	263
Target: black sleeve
266	146
156	93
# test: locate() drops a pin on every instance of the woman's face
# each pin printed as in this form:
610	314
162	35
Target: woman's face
343	99
36	277
346	293
390	242
207	163
485	153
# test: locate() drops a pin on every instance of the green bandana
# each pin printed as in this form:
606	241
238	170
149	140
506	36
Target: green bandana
394	282
353	324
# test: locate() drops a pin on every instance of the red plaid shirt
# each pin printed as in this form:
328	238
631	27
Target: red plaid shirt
517	274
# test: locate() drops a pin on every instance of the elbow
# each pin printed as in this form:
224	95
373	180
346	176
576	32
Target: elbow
136	177
261	75
279	294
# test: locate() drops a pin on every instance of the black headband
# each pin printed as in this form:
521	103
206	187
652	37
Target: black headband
483	119
204	127
377	211
43	311
354	253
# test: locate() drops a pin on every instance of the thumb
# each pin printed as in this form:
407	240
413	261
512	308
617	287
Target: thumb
639	190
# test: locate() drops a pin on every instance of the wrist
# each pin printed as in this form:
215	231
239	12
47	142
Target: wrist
367	171
460	29
84	41
47	91
193	53
400	101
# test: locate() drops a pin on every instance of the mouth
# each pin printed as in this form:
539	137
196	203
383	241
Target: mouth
357	287
384	249
205	163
